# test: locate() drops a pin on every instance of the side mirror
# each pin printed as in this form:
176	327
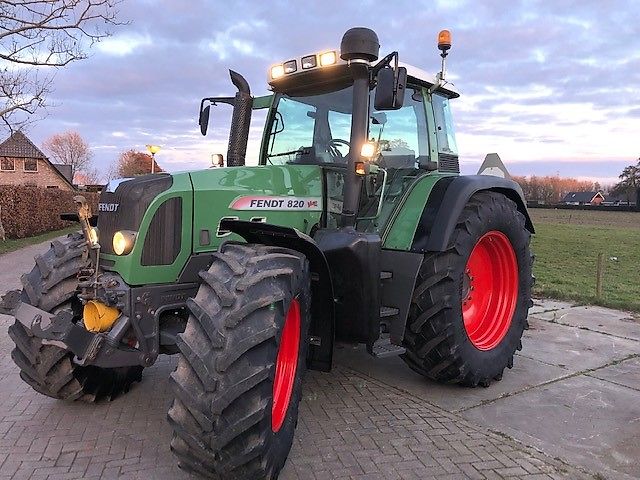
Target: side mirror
217	160
204	119
390	90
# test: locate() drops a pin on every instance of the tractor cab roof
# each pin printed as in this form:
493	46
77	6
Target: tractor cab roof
322	79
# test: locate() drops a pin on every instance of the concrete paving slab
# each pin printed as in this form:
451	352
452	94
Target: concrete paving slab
572	348
14	264
625	373
525	374
581	419
597	319
547	305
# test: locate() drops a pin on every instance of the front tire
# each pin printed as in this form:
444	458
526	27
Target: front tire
238	382
48	369
470	303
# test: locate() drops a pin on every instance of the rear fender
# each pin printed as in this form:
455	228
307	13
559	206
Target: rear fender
322	331
446	202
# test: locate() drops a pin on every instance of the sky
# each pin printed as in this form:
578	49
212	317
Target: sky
553	87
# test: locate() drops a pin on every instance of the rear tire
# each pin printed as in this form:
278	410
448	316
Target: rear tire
51	286
438	343
229	421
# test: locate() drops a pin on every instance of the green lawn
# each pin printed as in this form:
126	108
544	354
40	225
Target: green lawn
10	245
566	258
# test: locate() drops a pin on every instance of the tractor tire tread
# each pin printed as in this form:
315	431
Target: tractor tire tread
432	349
224	362
49	369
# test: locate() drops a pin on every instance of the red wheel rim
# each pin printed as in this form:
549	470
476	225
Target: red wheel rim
286	366
490	290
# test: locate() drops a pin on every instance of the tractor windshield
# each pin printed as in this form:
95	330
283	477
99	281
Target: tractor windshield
315	129
311	129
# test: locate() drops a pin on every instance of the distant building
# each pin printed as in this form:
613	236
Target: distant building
621	200
583	198
22	163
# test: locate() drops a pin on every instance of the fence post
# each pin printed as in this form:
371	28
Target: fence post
599	275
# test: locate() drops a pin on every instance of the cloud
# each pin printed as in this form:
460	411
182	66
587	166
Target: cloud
122	45
542	82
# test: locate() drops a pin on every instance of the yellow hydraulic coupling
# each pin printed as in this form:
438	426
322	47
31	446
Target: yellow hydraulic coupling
99	317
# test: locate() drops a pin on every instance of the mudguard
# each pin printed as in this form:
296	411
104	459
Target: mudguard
322	330
446	202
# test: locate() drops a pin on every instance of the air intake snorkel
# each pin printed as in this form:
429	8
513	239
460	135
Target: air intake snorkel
240	121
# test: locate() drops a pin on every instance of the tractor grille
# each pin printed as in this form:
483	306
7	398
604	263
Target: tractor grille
448	163
124	208
163	239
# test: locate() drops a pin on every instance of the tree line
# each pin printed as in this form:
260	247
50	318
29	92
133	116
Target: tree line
552	189
69	148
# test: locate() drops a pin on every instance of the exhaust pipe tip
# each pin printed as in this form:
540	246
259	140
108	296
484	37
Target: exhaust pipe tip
239	81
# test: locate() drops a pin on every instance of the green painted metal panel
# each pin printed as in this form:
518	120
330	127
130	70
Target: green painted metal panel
402	226
129	266
262	102
289	195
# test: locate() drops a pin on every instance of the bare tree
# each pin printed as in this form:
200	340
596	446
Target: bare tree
89	176
69	148
43	33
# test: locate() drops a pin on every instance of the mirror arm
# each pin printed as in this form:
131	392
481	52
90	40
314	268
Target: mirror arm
215	100
385	62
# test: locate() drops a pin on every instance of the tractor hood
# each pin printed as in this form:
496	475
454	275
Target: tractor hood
282	195
173	217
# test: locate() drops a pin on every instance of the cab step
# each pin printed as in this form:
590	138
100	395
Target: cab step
388	312
383	348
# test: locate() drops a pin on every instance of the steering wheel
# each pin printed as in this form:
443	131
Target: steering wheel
332	147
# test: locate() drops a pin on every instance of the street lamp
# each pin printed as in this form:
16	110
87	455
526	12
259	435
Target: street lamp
153	149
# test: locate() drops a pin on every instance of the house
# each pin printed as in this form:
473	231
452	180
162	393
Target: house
583	198
22	163
622	200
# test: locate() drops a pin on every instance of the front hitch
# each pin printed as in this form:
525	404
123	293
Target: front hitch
59	329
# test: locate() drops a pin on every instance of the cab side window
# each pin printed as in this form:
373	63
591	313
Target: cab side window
444	125
401	134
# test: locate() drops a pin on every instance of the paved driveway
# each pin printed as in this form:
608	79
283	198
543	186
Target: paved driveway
569	409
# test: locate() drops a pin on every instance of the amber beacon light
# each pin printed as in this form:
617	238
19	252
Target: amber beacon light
444	40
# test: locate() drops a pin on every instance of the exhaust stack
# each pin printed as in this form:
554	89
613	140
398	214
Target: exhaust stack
240	121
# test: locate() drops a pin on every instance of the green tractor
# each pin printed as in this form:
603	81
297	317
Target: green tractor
355	227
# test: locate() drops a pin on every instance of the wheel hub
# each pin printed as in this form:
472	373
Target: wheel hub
489	290
286	366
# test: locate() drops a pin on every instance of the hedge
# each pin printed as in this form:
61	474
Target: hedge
28	211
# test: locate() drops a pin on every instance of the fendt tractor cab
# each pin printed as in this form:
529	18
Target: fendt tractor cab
355	226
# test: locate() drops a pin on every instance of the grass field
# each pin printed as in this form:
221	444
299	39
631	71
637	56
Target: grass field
566	245
10	245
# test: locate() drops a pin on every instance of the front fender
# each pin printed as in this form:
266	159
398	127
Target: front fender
446	202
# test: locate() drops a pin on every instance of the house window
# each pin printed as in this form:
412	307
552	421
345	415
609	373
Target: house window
30	165
7	164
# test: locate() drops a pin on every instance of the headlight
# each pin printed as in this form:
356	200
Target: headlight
328	58
277	71
123	241
94	236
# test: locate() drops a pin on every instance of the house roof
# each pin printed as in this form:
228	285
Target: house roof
65	170
19	146
580	197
